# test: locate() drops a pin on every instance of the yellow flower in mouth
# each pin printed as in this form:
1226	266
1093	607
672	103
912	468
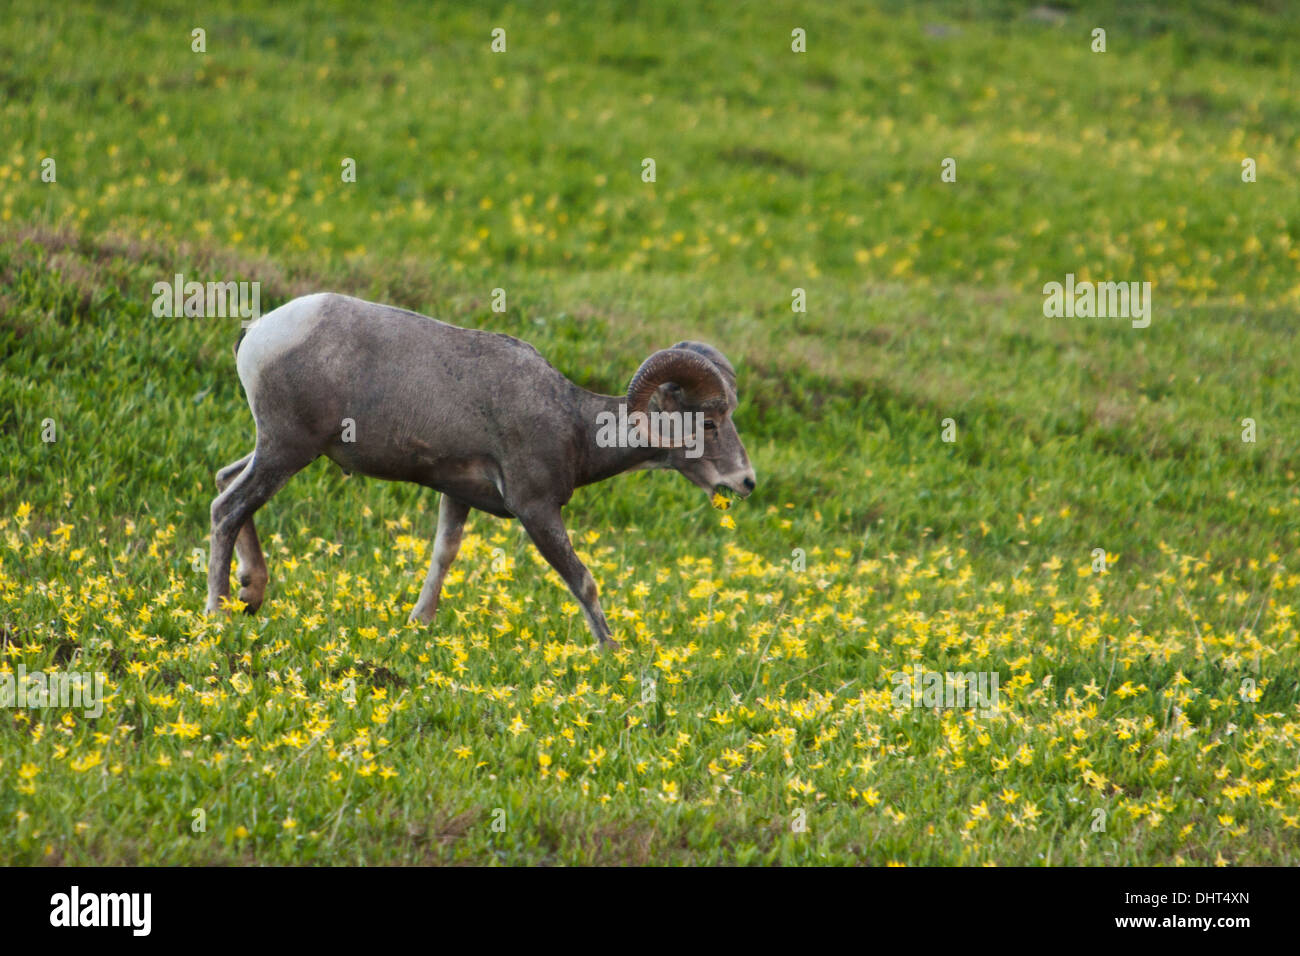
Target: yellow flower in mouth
720	501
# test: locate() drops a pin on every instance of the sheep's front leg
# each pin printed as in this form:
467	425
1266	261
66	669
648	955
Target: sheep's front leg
546	528
451	524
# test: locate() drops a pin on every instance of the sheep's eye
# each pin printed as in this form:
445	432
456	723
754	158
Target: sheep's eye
710	424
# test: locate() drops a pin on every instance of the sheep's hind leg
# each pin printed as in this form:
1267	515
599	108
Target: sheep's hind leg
262	476
546	528
251	572
446	544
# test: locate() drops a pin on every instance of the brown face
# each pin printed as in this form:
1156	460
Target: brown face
692	387
714	457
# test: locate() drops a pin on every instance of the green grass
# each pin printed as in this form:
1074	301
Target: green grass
1124	692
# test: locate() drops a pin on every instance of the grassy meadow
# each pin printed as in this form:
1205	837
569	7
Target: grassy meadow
1149	710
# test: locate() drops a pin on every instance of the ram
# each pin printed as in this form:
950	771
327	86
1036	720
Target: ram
478	416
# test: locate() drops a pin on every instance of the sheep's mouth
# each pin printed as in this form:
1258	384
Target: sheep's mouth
719	488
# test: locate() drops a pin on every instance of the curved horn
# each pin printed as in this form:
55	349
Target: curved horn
696	374
714	356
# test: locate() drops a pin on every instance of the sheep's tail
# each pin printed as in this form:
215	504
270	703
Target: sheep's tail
242	333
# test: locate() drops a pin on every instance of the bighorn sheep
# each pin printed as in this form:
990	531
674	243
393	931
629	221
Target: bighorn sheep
478	416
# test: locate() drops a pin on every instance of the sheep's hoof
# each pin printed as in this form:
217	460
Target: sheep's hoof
611	645
420	617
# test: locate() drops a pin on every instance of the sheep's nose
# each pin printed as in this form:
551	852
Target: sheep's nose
749	484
